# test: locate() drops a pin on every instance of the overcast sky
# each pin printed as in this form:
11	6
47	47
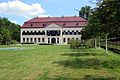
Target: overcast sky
19	11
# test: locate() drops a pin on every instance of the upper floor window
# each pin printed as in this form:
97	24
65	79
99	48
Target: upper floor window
23	33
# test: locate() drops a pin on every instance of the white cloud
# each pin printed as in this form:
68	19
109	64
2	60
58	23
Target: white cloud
13	21
44	15
19	8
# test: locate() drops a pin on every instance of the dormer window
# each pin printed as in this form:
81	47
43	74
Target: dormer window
64	24
44	24
77	24
31	24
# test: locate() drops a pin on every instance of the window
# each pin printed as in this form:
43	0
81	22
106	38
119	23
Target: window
39	32
35	32
53	33
31	40
63	33
23	33
27	33
68	40
64	40
79	33
77	24
43	39
43	33
31	25
72	32
35	40
64	24
75	33
30	33
38	39
68	32
23	39
58	40
27	39
44	24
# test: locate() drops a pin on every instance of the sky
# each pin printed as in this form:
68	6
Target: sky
19	11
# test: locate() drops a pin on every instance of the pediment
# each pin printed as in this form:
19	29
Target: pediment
53	25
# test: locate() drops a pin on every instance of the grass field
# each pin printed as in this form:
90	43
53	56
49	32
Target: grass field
58	63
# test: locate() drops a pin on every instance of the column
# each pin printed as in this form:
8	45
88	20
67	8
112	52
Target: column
56	40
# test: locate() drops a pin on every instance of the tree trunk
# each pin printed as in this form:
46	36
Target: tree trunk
106	47
99	42
95	43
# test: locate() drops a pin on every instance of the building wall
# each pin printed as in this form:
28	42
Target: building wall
51	27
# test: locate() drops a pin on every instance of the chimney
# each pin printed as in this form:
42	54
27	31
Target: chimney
48	16
63	16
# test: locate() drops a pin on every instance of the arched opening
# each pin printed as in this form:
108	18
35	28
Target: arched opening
53	41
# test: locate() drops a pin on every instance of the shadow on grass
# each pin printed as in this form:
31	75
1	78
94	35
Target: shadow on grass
86	77
90	77
77	54
58	78
89	63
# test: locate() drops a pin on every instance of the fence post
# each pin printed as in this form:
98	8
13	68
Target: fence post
106	47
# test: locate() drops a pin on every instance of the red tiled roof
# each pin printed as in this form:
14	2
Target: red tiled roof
42	22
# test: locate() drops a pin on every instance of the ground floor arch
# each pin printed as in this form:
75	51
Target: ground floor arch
53	41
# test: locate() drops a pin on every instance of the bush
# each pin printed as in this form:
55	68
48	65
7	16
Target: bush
14	42
74	44
88	43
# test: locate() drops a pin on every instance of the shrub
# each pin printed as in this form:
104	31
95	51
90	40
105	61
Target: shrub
88	43
74	43
13	42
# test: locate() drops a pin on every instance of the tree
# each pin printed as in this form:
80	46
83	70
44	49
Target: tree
6	36
105	20
1	39
8	31
85	12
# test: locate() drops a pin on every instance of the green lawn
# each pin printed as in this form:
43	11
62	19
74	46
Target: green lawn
53	62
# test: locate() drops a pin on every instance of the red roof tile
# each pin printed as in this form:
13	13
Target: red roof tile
42	22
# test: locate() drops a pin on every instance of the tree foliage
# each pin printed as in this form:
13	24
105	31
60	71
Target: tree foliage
104	20
85	12
8	31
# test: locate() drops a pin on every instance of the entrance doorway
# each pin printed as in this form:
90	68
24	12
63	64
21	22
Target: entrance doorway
53	41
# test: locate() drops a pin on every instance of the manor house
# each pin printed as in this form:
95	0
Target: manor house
52	30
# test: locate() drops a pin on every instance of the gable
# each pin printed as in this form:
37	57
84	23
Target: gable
53	25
